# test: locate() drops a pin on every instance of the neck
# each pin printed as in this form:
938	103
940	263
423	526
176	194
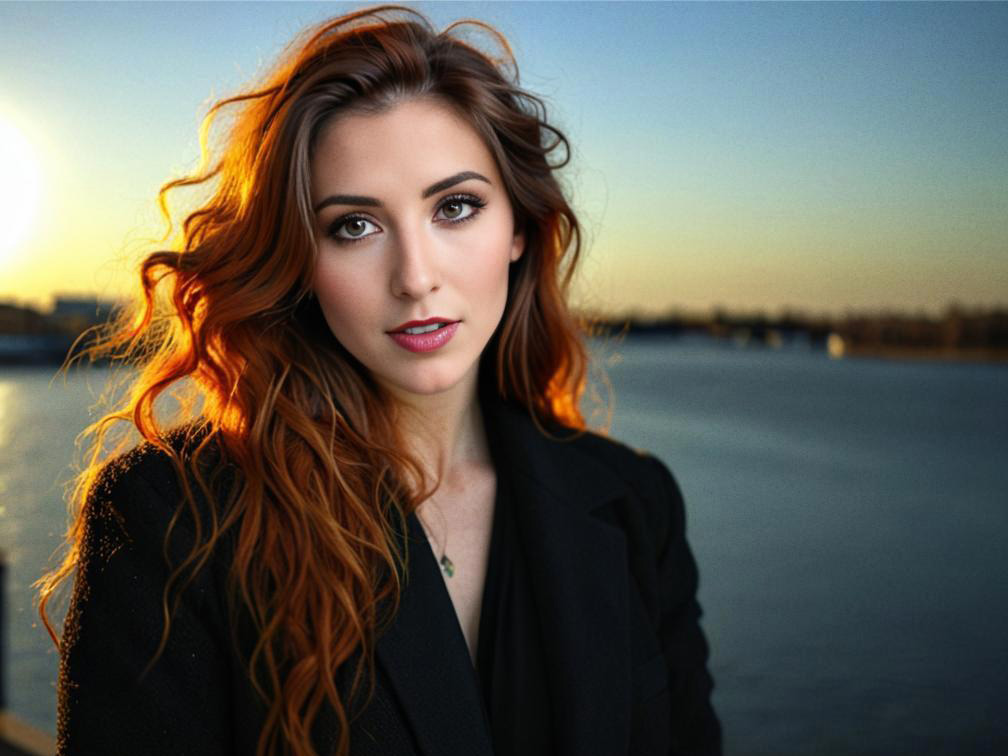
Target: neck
445	431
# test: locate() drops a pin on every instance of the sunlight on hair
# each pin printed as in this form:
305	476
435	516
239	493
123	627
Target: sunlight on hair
290	457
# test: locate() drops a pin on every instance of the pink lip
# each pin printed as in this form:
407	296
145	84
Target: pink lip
416	323
425	342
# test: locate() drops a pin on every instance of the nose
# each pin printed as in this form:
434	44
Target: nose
415	271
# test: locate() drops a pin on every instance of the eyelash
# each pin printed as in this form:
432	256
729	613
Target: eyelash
472	200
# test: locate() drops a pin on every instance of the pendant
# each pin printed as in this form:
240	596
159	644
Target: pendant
446	566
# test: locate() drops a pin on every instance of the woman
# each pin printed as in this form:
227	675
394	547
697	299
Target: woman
383	529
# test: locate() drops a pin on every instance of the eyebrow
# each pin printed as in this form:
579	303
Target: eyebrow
356	199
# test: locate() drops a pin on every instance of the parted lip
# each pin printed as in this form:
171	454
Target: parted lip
417	323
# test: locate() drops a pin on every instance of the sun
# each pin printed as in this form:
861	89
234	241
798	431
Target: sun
20	187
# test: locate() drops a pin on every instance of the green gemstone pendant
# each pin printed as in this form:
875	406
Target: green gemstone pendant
446	566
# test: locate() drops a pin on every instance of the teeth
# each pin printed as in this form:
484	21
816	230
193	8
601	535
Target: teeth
425	329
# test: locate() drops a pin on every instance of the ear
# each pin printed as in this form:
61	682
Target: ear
517	246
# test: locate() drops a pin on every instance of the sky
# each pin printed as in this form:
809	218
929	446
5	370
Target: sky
816	157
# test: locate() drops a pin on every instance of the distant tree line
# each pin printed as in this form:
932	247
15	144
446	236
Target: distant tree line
31	335
981	333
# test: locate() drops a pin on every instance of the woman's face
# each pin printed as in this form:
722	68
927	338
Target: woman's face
413	224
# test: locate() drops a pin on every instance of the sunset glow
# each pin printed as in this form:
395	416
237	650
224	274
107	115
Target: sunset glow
816	157
20	188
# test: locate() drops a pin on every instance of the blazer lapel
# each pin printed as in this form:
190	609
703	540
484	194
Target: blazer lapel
425	656
578	566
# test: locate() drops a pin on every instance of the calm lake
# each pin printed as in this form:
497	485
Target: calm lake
848	516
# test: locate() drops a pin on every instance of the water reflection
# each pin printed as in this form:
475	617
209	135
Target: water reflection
6	412
6	429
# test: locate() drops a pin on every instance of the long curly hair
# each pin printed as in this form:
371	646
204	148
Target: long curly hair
222	319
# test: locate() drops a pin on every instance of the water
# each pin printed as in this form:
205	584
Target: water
848	518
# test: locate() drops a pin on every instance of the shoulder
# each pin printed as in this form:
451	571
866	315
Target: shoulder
594	472
141	490
600	456
637	468
651	486
151	465
579	465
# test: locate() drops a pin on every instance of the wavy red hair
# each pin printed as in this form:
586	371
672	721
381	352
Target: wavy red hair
224	319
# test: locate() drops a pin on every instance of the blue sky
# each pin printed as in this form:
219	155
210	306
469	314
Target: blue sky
821	156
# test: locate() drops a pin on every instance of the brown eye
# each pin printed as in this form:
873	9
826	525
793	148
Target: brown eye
355	226
460	208
351	229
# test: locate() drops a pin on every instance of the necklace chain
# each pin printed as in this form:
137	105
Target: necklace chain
447	566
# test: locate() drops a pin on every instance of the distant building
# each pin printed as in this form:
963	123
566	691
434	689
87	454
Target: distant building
15	319
81	306
28	336
75	314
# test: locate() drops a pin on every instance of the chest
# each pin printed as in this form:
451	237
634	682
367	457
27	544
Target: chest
459	524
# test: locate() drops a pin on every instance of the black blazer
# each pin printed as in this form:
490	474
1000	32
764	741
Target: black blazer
614	580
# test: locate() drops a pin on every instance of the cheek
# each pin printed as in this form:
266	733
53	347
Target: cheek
489	269
343	298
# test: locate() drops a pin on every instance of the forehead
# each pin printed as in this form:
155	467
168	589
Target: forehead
411	144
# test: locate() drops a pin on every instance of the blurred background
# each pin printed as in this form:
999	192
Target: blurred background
797	216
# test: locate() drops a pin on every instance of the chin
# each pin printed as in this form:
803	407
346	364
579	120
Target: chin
425	382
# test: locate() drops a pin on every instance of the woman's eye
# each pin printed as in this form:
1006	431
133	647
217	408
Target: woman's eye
458	209
453	210
354	228
351	229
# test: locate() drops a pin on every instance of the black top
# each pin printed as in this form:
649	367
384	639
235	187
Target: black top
509	659
608	571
